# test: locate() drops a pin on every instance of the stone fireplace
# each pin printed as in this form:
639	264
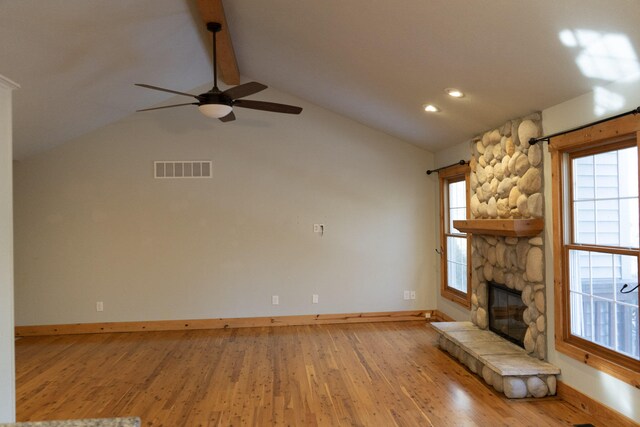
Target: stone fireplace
507	251
506	183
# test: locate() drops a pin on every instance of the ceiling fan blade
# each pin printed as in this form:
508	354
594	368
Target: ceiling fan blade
167	106
267	106
228	118
165	90
245	89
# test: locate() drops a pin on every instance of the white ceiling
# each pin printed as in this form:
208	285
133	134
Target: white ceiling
372	60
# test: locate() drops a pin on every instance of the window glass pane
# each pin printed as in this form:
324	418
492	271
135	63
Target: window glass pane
457	263
603	290
584	222
606	175
629	222
627	330
457	208
628	178
605	192
583	178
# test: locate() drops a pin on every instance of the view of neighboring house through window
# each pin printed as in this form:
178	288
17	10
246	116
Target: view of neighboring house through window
603	249
454	243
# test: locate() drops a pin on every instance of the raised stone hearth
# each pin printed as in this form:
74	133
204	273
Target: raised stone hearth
501	364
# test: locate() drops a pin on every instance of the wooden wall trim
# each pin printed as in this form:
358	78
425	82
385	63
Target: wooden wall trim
593	407
223	323
439	316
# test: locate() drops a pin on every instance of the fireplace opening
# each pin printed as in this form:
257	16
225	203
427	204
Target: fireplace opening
506	313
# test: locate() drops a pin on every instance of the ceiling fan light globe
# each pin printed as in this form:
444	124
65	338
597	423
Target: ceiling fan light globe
215	111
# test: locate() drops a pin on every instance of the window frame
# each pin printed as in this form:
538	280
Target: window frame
453	174
608	136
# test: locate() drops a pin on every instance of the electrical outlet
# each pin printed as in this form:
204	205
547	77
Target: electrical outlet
319	229
314	298
275	300
427	315
413	294
99	306
407	295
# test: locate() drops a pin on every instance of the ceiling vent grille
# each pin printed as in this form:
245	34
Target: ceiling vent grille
182	169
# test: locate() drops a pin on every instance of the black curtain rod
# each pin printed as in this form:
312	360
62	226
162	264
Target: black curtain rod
461	162
548	137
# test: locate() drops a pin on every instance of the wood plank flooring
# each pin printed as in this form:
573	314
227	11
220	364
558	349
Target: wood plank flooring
377	374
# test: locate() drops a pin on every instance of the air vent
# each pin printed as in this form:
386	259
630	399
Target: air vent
182	169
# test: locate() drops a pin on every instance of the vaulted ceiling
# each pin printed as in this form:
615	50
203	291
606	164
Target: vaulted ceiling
374	61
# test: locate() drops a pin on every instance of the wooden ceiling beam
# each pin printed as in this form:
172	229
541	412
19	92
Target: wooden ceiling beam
212	11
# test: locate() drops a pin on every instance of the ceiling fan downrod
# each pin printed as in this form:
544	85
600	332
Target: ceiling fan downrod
214	27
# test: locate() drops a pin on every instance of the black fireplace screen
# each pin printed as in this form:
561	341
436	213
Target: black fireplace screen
505	313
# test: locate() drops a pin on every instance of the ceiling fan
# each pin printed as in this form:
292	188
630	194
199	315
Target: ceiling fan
219	104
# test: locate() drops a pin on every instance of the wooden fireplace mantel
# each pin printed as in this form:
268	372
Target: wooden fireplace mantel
501	227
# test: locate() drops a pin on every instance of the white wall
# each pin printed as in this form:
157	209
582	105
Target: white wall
7	364
93	225
614	393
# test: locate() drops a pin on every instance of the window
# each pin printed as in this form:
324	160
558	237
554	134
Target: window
454	244
596	229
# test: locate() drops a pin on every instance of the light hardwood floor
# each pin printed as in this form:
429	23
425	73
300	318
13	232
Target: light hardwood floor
377	374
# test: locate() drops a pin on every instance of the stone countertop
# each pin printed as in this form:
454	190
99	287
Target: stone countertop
95	422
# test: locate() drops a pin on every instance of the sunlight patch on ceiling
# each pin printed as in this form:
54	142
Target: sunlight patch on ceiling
604	56
608	57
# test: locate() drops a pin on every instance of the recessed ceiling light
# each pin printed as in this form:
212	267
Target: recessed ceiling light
454	92
431	108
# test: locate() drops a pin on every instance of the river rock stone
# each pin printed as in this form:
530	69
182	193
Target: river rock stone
522	205
513	196
472	164
512	162
505	165
522	249
473	181
504	188
535	264
491	255
529	344
535	155
485	138
480	147
482	162
527	130
482	318
537	387
539	300
481	174
515	124
526	314
552	383
492	208
526	296
522	165
514	387
536	241
497	382
500	251
541	347
482	210
506	129
497	152
482	196
488	154
494	185
535	205
541	323
531	181
503	208
487	374
498	171
509	146
494	136
487	271
475	202
489	171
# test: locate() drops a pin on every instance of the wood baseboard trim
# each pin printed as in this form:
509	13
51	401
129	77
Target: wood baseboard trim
438	316
222	323
593	407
